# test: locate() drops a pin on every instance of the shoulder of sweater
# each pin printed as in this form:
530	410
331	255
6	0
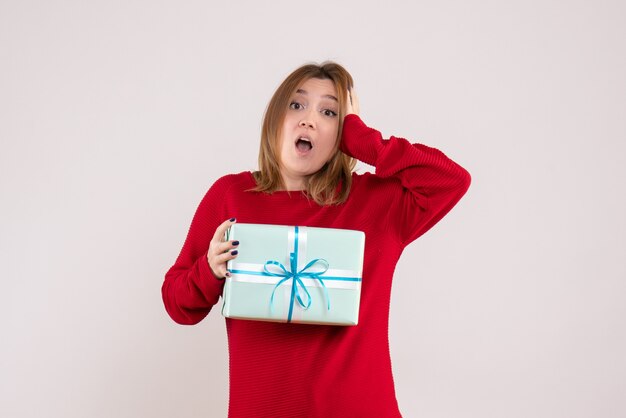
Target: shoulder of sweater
243	177
232	181
371	181
364	176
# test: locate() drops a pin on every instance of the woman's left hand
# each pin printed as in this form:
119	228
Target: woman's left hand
352	102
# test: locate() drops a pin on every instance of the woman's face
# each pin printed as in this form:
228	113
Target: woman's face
309	131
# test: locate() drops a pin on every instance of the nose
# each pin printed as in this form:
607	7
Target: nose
307	120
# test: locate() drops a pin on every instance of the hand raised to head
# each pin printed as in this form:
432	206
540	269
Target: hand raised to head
352	102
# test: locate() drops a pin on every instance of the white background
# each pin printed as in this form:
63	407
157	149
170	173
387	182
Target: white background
117	116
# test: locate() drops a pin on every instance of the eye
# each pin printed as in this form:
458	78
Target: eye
328	112
295	105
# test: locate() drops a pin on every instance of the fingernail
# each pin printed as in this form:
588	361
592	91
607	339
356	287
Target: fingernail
235	242
234	252
232	219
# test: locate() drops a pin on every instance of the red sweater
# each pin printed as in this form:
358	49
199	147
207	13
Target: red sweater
320	371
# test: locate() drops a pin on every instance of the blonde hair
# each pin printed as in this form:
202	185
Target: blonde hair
331	184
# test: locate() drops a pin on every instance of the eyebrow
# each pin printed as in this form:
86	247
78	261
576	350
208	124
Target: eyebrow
326	96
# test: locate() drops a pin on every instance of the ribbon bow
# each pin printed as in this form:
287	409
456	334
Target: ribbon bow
296	276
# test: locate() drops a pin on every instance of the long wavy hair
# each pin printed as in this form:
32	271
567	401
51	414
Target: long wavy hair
331	184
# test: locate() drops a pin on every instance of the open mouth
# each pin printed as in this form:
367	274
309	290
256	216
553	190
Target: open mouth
304	144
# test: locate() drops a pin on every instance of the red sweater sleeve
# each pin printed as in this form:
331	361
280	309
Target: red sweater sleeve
190	289
429	183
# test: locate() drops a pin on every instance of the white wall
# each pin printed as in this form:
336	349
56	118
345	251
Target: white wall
116	116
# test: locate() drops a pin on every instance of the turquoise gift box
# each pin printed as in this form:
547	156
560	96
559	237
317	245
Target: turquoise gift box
294	274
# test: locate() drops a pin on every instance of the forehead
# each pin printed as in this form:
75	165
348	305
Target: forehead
318	89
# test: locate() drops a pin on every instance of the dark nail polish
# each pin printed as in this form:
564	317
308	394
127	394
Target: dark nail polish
234	252
232	219
235	242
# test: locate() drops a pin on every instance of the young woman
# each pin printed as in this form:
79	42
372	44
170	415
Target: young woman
311	136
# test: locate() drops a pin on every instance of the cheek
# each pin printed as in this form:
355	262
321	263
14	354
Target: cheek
330	135
281	152
329	144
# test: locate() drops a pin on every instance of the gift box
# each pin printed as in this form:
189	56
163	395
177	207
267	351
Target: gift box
294	274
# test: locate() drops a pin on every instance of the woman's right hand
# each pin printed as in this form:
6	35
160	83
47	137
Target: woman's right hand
220	251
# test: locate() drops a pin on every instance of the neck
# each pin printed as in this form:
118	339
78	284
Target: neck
293	185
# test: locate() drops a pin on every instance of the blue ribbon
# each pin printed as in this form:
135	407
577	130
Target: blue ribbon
295	276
